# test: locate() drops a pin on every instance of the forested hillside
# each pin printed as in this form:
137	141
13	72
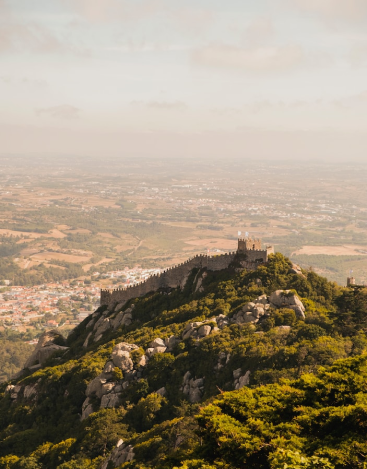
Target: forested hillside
218	374
14	352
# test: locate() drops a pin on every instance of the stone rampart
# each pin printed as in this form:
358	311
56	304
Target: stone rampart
257	255
171	278
221	262
249	249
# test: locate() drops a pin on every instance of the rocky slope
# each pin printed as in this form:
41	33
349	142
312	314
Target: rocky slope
125	388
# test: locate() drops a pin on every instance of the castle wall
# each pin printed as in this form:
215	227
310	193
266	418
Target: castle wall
177	276
215	263
257	256
171	278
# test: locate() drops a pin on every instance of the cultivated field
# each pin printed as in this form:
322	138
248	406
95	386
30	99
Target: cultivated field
333	250
75	217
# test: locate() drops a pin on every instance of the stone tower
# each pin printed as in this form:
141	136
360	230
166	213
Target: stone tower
249	244
351	281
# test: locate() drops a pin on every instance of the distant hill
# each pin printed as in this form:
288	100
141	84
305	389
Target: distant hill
263	369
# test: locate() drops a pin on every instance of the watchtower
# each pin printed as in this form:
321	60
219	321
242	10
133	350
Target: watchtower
249	244
351	281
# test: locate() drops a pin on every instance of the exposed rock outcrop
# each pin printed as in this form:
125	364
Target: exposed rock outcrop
86	342
46	347
241	380
255	310
193	388
199	330
288	299
110	400
101	326
171	342
30	391
223	359
199	284
120	356
87	408
123	318
121	454
296	269
156	346
112	318
13	390
104	387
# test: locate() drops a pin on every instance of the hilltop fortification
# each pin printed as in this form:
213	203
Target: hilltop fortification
249	254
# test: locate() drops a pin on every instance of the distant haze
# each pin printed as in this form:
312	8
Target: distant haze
275	79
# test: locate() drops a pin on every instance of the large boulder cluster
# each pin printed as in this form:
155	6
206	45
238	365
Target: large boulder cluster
253	311
199	330
263	306
29	392
108	386
192	388
287	299
104	387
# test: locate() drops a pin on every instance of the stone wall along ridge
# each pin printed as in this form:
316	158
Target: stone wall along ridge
172	277
177	275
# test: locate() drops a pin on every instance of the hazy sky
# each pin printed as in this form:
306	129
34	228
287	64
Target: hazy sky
264	78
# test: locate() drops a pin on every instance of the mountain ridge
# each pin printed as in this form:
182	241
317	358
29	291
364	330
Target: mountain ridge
42	424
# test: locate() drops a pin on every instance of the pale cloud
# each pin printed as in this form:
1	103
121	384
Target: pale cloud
357	55
226	111
352	101
146	46
17	34
259	31
345	10
113	10
25	81
60	112
161	105
19	37
195	20
34	82
192	19
257	59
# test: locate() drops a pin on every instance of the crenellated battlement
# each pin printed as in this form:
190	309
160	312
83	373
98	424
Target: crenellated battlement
177	275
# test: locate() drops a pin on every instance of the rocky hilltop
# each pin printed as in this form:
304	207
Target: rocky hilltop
223	371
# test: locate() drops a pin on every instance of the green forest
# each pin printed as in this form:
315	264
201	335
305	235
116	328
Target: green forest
14	350
304	405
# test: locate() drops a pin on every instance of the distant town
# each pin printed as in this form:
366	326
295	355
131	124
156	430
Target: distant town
61	304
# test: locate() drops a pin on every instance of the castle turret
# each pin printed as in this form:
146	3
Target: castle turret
351	281
251	248
249	244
